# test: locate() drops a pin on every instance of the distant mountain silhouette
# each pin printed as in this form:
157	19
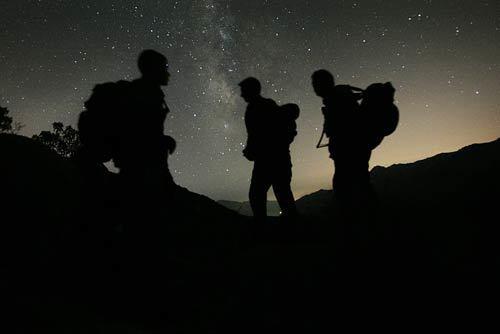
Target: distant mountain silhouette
244	208
72	261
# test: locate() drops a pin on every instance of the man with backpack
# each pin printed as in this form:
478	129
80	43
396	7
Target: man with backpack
145	147
124	122
346	130
270	131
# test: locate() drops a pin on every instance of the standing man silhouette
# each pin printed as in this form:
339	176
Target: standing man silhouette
124	121
272	163
347	138
143	148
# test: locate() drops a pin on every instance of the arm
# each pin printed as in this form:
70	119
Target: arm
248	151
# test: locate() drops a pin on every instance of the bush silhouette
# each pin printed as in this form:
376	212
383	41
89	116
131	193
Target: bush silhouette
64	140
6	124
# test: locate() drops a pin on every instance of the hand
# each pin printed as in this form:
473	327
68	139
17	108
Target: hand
248	155
170	144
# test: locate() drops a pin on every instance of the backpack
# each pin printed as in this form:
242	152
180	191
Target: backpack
99	124
379	112
287	115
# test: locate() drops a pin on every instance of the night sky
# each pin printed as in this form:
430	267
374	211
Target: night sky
443	57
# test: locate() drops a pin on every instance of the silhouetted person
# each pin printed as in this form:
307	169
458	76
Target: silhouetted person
268	147
124	122
347	144
143	149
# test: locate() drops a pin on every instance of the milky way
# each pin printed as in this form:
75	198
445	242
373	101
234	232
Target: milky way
442	57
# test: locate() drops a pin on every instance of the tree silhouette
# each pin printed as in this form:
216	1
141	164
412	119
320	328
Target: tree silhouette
64	140
5	121
6	124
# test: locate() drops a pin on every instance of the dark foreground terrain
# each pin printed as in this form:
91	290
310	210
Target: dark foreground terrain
76	259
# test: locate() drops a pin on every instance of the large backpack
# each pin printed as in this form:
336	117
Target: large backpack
379	112
99	124
287	116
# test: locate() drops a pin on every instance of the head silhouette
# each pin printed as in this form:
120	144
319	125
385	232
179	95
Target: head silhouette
322	82
250	89
154	67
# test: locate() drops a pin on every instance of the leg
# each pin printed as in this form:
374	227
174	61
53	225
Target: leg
285	198
283	191
258	191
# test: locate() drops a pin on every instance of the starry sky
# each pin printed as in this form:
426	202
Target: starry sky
443	57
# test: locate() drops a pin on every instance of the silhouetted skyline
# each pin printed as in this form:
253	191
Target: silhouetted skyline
442	58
